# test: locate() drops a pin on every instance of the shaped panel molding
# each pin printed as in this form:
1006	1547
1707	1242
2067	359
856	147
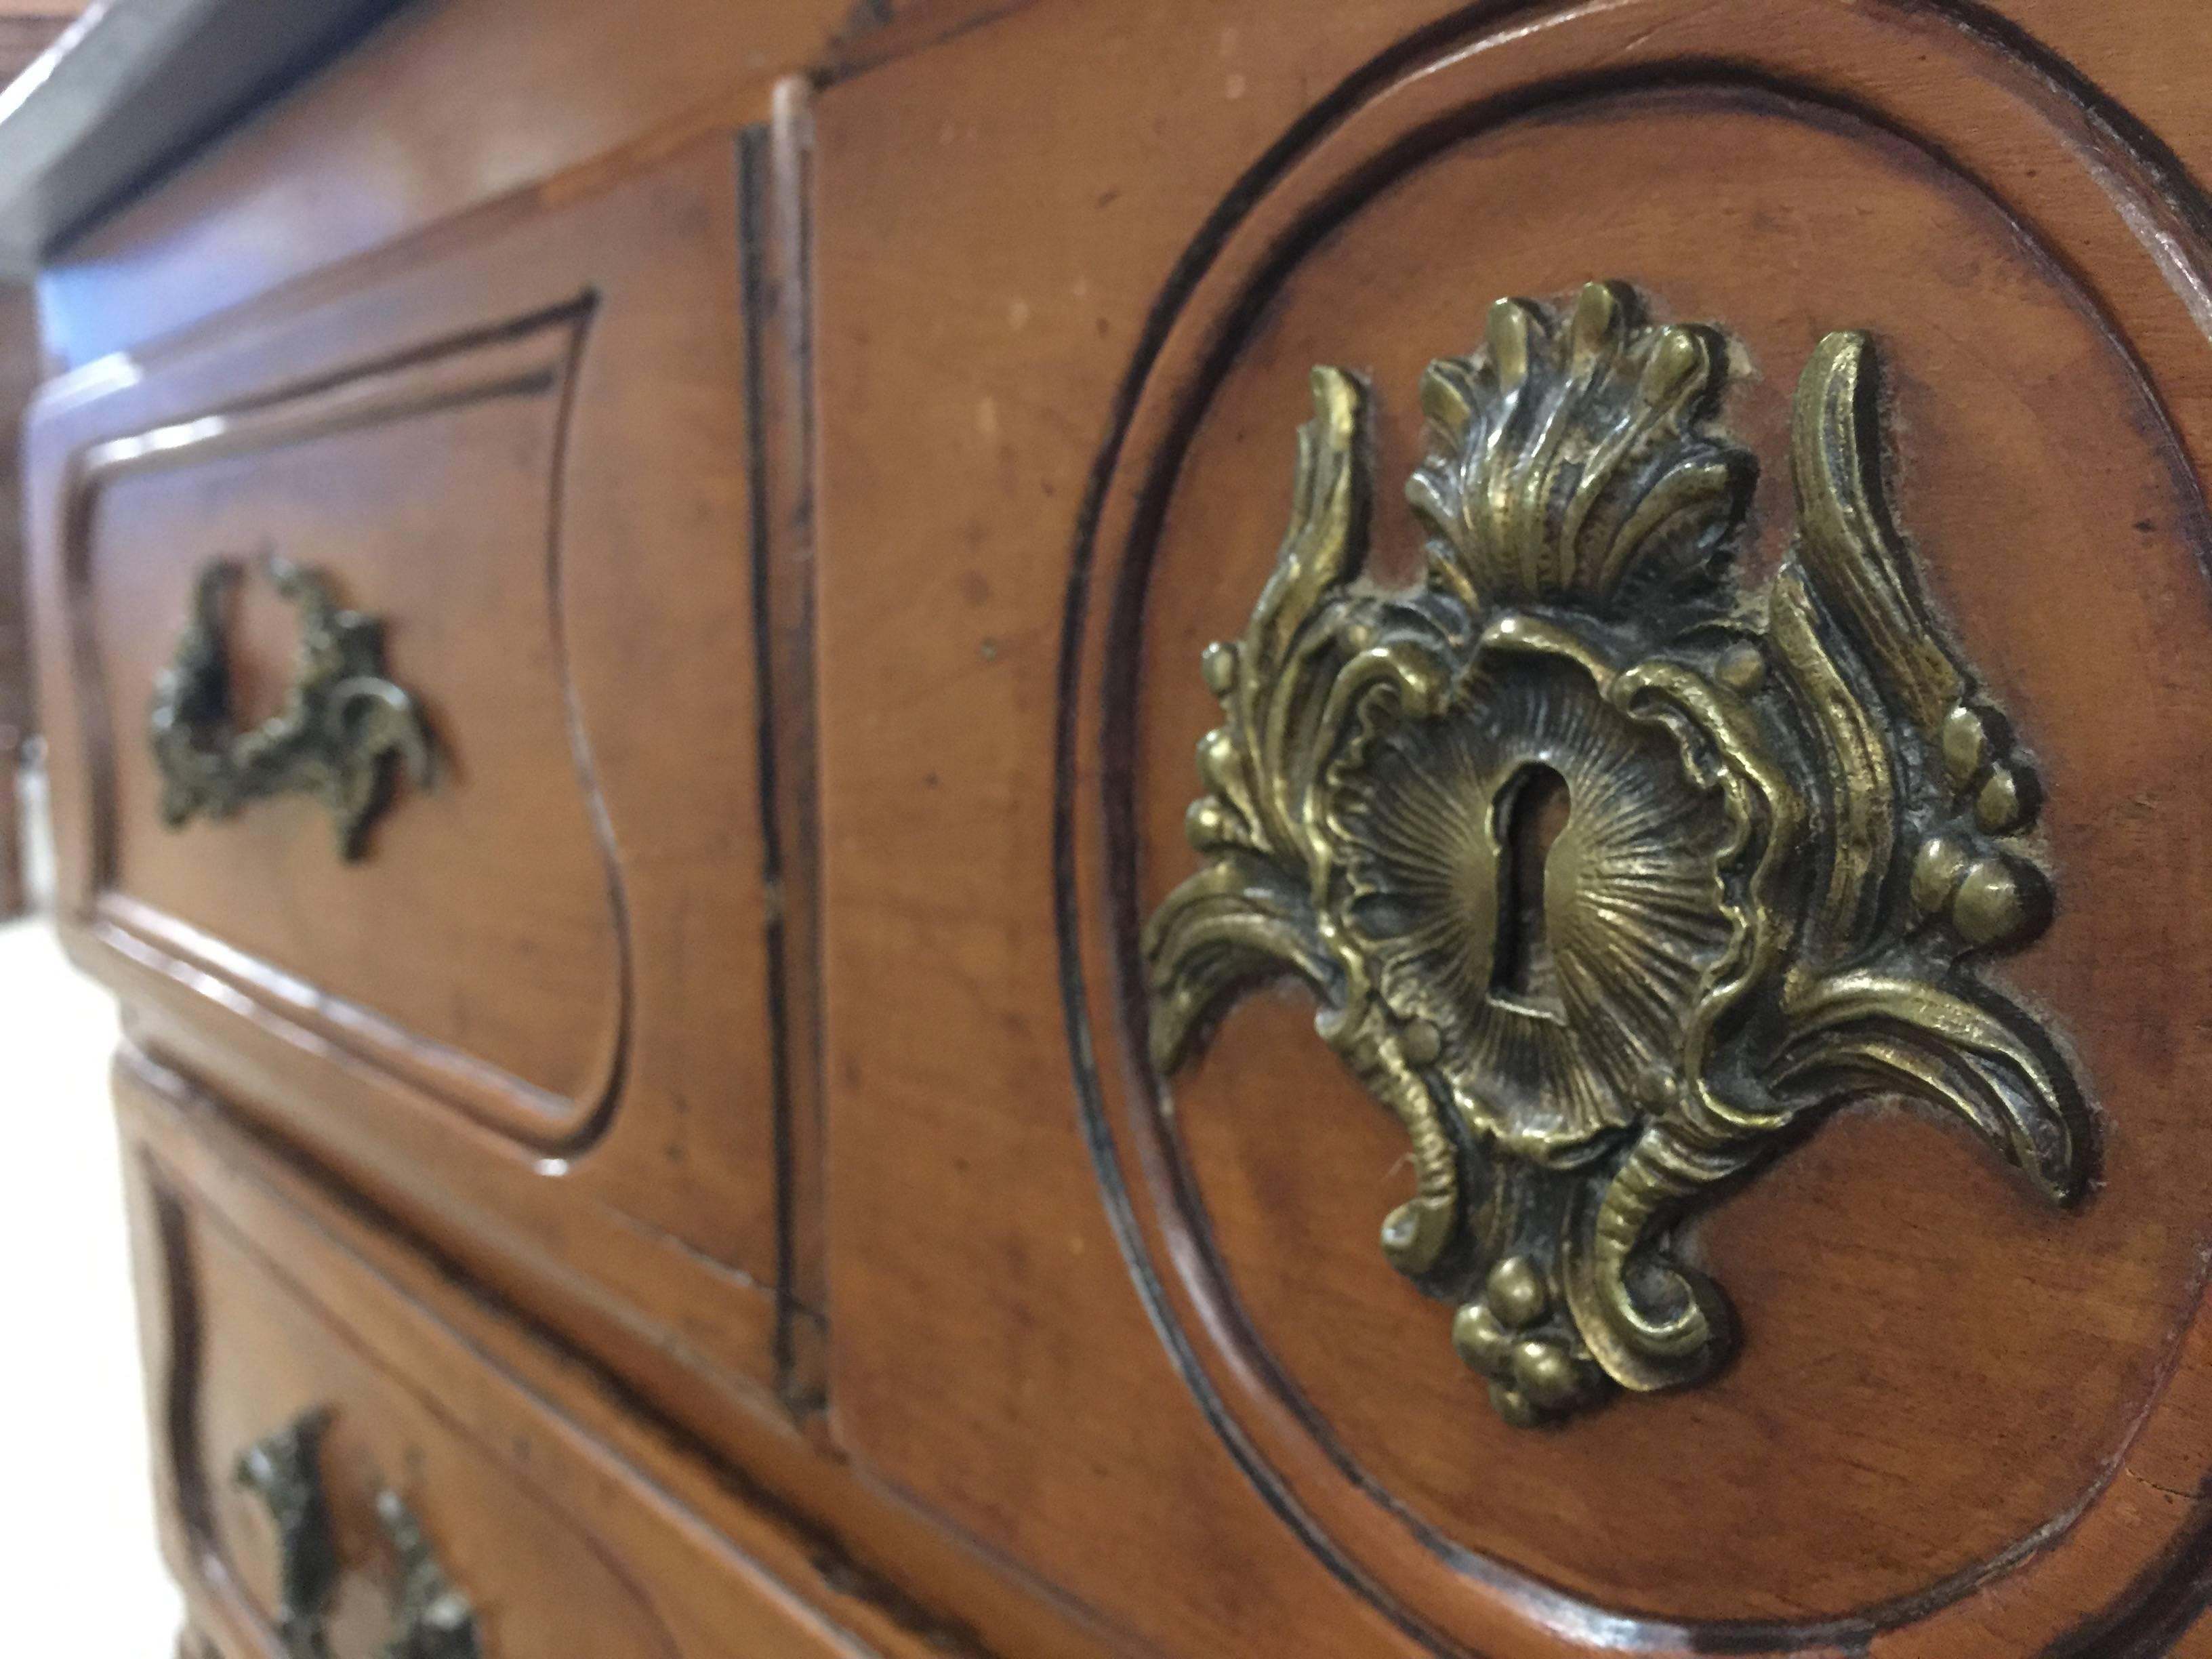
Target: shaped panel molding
372	959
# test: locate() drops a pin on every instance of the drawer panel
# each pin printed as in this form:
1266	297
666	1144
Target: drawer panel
536	1011
475	946
1548	1194
259	1320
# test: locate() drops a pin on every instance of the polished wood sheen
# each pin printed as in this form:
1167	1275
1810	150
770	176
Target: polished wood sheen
1856	1475
477	414
709	1154
257	1325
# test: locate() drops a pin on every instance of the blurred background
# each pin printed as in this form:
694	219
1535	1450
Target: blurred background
81	1565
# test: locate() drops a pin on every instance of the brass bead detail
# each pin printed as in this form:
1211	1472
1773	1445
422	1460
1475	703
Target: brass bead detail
1936	872
1513	1406
1546	1375
1741	668
1420	1043
1966	743
1205	824
1995	903
1217	757
1481	1341
2006	800
1515	1292
1218	664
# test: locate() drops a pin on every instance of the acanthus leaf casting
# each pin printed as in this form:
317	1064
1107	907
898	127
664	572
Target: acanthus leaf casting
1609	874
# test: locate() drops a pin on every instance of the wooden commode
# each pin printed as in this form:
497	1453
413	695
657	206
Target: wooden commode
1051	828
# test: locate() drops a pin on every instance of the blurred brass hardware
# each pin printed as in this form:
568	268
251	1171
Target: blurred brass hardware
284	1471
430	1618
341	729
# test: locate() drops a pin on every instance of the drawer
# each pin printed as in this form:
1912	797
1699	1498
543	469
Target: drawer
338	1462
468	936
1642	1094
328	1489
439	577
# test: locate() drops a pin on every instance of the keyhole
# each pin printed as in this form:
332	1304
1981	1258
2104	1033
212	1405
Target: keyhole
1531	812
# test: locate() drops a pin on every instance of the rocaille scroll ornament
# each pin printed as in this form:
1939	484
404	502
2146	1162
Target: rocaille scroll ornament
1611	875
344	729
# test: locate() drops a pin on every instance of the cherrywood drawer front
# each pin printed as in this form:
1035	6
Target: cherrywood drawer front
1753	1203
270	1364
340	1465
475	947
535	1013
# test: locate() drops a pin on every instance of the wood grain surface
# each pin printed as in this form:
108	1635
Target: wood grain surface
262	1312
1950	1376
530	458
922	417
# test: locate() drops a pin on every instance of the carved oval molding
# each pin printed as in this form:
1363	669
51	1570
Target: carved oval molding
2001	128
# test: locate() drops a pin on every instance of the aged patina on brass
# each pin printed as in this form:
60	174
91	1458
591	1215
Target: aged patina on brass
284	1471
1610	874
431	1617
342	727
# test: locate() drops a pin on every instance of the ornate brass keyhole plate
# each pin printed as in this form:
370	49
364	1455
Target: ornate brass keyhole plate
1610	872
